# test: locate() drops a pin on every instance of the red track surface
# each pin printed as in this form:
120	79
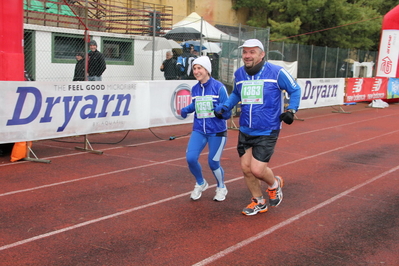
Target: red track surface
131	205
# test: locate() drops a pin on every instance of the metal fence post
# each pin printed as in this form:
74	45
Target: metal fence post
325	62
336	62
154	23
311	60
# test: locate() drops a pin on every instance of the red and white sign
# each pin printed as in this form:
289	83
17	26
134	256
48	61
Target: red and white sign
366	89
387	65
388	57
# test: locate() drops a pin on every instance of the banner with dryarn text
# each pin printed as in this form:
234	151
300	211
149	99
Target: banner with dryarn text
321	92
44	110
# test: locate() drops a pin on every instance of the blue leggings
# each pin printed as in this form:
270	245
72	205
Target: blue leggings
195	146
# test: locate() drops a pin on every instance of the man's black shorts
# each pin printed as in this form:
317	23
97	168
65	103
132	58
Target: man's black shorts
262	146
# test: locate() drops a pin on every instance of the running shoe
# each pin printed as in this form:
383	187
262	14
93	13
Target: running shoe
276	195
198	189
221	193
254	207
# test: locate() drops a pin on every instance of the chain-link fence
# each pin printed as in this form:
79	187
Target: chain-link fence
132	40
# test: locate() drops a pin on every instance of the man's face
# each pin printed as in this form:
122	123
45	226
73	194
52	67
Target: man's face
252	56
168	56
93	47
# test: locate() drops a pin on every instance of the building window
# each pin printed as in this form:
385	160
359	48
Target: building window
65	47
118	51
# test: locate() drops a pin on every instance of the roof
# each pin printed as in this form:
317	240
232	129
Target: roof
210	32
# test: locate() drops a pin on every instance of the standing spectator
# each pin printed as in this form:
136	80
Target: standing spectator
97	64
195	52
207	129
184	62
79	74
259	85
169	67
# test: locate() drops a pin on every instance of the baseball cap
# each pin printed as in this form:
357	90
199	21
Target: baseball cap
252	43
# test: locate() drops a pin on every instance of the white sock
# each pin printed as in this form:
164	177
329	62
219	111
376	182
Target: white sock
275	184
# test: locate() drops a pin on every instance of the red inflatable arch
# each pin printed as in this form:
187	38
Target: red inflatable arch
11	40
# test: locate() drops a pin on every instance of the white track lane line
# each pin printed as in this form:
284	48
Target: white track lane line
220	254
290	220
156	141
177	159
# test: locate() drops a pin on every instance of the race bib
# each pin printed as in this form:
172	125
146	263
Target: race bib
204	106
252	92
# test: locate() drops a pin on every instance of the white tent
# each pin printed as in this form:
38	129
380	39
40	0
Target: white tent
210	32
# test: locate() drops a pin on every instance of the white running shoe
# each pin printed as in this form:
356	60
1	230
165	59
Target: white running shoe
198	189
220	194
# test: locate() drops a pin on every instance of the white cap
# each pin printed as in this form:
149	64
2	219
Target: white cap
204	62
252	43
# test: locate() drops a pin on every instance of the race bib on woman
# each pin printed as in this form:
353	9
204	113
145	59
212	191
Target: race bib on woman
204	106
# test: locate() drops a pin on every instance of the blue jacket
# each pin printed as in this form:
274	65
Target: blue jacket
218	91
263	118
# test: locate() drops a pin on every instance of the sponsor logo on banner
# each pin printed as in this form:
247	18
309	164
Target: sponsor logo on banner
181	97
388	54
386	65
357	87
366	89
321	92
97	102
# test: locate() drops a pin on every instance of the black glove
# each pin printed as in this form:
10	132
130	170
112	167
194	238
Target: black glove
287	117
220	110
220	116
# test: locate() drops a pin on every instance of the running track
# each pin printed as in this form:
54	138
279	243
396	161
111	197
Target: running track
131	206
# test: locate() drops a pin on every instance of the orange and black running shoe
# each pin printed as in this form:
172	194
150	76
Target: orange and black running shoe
276	195
254	207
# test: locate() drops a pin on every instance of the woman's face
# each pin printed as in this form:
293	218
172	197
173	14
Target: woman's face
200	73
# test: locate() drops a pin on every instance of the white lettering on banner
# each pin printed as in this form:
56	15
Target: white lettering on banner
71	104
356	98
357	86
376	85
319	91
373	96
182	101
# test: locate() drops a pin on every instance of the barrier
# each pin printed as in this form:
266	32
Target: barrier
322	92
31	111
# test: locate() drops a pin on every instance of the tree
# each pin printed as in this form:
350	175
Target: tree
332	23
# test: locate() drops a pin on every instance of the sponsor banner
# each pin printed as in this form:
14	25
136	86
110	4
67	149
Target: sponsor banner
393	88
167	100
321	92
388	56
366	89
44	110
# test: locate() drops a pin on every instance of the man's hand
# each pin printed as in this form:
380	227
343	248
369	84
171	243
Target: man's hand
221	111
287	117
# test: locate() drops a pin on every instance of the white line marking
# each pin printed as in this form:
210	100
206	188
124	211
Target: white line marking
177	159
241	244
289	221
156	141
88	177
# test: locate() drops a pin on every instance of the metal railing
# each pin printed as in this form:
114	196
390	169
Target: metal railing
122	32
